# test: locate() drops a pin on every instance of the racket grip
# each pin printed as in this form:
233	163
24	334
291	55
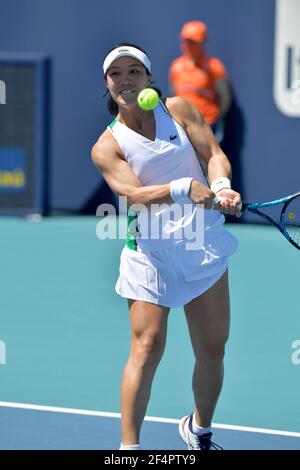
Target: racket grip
215	202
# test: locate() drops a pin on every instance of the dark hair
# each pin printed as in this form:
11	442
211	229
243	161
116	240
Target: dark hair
111	104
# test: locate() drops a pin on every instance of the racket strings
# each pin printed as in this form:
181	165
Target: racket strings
292	220
294	233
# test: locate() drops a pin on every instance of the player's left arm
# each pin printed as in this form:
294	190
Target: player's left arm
204	142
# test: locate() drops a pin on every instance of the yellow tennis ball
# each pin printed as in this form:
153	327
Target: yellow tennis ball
291	215
148	99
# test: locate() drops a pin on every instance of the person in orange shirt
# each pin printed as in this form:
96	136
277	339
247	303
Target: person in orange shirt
200	78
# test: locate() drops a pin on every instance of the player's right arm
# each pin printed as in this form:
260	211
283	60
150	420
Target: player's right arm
109	160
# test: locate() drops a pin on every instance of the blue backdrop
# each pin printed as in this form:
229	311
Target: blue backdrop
261	142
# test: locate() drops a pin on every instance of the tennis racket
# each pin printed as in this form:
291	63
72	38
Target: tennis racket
288	221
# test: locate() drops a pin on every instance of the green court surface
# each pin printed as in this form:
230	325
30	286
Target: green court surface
66	332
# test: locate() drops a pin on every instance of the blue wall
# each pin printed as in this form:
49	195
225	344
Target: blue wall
263	143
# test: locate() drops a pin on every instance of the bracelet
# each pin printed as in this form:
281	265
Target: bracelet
220	183
180	190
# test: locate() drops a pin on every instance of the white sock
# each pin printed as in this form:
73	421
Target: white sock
198	429
130	446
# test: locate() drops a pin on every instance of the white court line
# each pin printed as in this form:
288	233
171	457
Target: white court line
106	414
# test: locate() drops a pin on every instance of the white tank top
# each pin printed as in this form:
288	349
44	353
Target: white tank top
170	156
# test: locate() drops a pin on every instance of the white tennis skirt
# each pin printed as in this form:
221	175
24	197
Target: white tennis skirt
174	276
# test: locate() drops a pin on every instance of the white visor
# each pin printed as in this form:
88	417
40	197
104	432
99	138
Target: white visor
126	51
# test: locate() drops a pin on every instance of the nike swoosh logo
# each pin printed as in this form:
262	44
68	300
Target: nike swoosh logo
173	137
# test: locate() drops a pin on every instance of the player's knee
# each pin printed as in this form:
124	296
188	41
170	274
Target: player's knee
148	349
213	350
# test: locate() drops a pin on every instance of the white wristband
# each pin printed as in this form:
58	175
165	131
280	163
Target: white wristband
180	190
220	183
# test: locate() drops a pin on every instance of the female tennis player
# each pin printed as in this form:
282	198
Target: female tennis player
151	158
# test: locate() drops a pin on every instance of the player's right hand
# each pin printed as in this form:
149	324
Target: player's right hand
228	201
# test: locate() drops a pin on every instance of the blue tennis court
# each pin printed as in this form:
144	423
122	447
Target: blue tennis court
67	429
65	338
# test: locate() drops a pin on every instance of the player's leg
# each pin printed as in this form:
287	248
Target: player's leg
208	321
148	337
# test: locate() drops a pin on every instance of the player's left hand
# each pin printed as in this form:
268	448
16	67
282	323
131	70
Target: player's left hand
228	201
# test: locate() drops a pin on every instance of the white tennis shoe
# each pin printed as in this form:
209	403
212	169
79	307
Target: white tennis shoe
193	441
